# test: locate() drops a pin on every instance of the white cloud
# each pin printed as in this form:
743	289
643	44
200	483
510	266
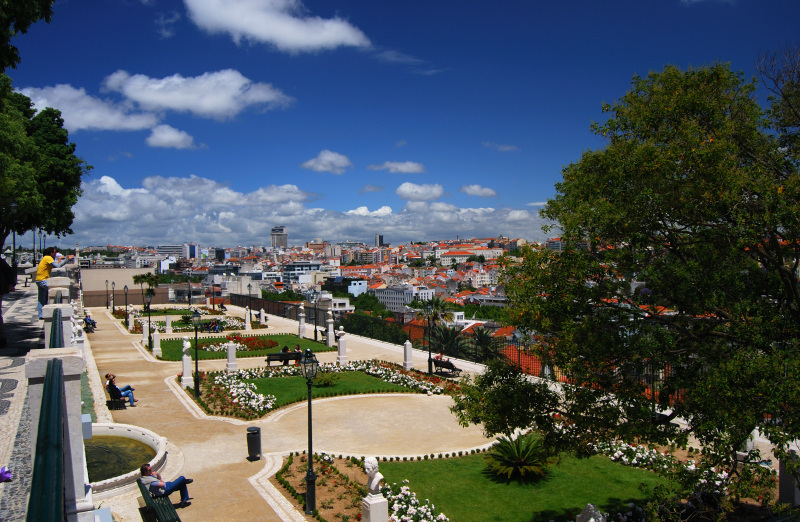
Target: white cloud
195	209
170	137
84	112
499	147
165	23
220	95
477	190
414	192
364	211
402	167
537	204
328	161
371	188
281	23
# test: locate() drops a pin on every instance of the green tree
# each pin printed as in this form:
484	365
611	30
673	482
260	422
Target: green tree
448	341
436	310
151	280
16	17
486	347
39	171
677	291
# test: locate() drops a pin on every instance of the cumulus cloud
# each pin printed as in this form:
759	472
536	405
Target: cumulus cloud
371	188
165	23
499	147
328	161
400	167
84	112
364	211
477	190
537	203
282	23
220	95
169	210
170	137
414	192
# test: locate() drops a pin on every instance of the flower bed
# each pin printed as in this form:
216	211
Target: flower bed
404	506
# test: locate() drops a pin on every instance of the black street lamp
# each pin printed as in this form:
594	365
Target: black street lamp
196	322
148	297
125	289
309	366
428	311
113	297
249	296
106	294
189	294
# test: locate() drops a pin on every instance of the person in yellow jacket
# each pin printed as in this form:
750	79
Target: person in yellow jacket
51	259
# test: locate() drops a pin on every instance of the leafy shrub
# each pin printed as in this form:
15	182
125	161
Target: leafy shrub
324	379
522	458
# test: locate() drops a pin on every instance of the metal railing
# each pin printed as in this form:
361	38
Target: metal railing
56	330
47	483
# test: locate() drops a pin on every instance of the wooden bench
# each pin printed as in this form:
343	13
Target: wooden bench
283	357
116	401
161	507
448	366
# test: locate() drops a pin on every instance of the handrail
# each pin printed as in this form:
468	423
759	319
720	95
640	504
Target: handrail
58	298
47	496
56	330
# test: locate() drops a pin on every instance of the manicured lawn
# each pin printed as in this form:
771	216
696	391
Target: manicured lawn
460	488
288	390
172	349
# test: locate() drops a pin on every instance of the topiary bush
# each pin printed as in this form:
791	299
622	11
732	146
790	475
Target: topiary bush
522	458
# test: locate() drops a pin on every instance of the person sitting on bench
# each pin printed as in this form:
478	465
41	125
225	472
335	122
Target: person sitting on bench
222	307
159	488
440	357
118	393
88	321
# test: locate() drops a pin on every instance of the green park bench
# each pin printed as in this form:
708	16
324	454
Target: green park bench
161	507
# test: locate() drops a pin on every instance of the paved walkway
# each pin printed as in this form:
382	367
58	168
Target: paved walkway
213	451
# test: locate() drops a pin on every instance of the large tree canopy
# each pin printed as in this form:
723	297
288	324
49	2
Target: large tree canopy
39	171
674	309
16	17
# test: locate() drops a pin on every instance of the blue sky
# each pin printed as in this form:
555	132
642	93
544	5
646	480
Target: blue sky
211	121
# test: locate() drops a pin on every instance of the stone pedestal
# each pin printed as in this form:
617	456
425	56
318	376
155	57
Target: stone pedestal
263	318
330	335
66	323
168	328
187	381
301	322
341	357
145	333
375	508
157	343
247	325
231	366
407	362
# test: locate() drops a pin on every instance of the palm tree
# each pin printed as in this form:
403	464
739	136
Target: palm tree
448	341
486	346
150	279
436	312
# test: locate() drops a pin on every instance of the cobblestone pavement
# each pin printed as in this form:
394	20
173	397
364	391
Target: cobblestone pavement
24	334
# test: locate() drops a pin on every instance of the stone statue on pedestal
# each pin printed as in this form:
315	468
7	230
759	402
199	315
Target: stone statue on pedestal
186	345
375	476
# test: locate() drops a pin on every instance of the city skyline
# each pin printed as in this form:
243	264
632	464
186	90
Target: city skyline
216	121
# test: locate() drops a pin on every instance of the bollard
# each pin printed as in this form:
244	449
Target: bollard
253	443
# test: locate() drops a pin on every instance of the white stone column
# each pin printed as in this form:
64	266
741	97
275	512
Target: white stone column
247	325
157	342
341	357
187	380
407	362
263	318
330	335
111	297
375	508
301	321
168	328
231	366
208	302
145	333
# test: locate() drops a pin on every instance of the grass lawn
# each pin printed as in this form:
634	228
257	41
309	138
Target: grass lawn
288	390
461	489
172	349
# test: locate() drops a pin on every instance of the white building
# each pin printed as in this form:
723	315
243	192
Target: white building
395	298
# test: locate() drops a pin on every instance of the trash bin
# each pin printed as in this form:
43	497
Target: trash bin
253	443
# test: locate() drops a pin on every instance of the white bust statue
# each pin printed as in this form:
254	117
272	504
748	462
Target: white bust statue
375	477
186	345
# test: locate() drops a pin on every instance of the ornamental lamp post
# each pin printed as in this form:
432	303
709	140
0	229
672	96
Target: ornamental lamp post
309	366
196	322
428	311
106	294
149	298
125	289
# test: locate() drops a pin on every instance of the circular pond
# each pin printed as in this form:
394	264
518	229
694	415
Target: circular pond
110	456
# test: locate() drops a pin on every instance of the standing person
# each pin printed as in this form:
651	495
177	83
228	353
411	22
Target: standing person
8	280
158	488
51	259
